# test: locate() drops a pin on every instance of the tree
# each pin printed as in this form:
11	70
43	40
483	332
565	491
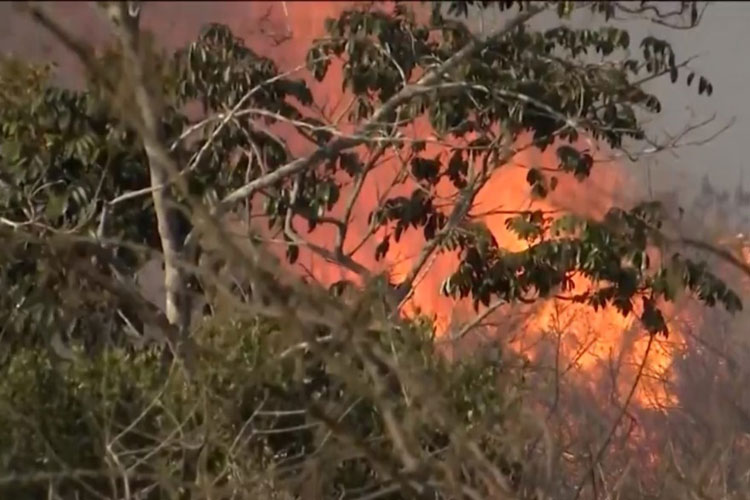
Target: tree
97	181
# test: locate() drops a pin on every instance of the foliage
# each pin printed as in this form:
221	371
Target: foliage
613	251
252	403
359	409
508	87
61	157
66	153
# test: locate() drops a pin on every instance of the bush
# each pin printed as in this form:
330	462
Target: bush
261	413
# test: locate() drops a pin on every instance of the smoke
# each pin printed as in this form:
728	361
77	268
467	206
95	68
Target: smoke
716	42
587	343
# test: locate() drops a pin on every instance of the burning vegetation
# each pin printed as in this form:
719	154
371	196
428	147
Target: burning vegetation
414	266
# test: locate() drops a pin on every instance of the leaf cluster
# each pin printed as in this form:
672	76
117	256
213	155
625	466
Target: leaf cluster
613	255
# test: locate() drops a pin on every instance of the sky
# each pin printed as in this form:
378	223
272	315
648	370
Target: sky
718	44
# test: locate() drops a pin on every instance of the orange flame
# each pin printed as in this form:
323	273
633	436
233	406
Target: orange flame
589	341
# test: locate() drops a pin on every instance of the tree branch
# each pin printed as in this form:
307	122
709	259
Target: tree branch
327	254
175	280
406	94
603	448
356	190
476	321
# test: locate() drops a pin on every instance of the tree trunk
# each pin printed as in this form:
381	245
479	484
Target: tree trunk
125	18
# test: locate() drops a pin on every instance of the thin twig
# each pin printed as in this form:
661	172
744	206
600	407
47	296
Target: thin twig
387	109
600	453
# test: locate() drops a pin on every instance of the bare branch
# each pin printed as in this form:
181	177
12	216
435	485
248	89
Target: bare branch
387	109
476	321
353	195
600	453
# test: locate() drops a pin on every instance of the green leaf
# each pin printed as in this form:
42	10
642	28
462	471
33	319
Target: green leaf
55	206
11	150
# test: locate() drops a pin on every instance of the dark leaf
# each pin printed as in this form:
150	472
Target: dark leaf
292	253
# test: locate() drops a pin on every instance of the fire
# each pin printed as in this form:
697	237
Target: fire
590	342
586	347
